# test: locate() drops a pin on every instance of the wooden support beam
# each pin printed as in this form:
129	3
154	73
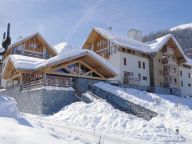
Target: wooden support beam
92	69
71	75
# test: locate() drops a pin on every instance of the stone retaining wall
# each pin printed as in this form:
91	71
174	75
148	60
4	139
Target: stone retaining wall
123	104
41	100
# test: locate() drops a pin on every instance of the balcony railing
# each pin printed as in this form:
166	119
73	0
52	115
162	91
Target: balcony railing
170	84
169	73
49	81
168	61
30	53
131	80
168	51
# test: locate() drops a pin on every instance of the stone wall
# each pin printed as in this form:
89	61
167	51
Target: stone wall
123	104
166	91
42	100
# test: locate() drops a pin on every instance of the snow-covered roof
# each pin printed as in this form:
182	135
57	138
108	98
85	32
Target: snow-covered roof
123	41
1	49
158	43
189	61
20	41
25	62
62	47
31	63
182	26
76	54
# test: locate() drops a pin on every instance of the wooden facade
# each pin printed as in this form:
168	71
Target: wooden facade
57	73
34	46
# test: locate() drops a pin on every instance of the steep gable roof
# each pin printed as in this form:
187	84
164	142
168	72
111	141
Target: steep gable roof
157	44
119	40
38	35
26	63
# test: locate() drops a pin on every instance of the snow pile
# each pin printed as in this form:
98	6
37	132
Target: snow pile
101	116
173	112
14	129
180	27
8	107
13	133
98	115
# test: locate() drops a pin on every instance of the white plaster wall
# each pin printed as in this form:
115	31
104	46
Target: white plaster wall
185	90
115	61
132	66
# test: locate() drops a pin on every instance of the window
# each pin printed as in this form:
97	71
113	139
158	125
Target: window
174	69
124	61
189	85
182	83
159	60
123	49
112	50
189	75
144	78
175	80
181	73
143	65
128	74
139	64
139	76
128	51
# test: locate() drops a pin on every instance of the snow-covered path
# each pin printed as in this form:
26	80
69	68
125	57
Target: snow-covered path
91	136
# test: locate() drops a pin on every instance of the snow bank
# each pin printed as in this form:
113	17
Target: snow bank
98	115
53	88
8	107
173	112
14	129
13	133
101	116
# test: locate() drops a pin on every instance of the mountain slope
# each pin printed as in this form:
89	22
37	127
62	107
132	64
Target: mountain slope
182	33
182	26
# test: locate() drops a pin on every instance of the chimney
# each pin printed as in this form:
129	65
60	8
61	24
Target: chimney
6	40
8	30
110	28
135	34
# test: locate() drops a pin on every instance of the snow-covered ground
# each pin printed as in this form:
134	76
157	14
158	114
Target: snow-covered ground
173	113
14	129
88	123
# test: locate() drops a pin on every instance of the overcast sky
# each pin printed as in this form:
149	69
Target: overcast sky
72	20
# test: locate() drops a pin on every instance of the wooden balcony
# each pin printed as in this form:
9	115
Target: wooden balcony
48	81
168	51
168	61
169	73
170	84
30	53
131	80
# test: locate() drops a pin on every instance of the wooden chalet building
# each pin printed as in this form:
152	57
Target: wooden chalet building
32	62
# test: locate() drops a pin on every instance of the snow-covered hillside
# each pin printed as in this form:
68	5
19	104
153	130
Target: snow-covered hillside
173	113
14	129
182	26
87	123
